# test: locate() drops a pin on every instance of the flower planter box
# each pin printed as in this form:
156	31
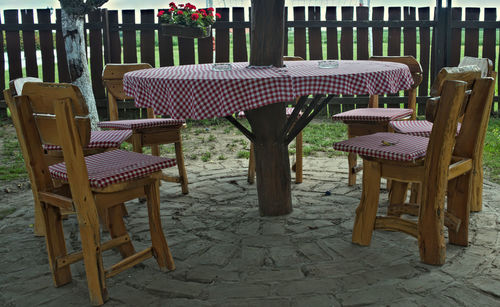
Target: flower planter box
169	29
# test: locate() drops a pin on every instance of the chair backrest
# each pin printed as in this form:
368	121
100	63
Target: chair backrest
16	86
112	77
485	64
416	73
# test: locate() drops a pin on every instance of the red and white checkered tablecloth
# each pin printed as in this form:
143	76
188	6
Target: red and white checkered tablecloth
198	92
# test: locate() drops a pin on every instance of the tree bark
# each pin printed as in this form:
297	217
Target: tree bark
74	42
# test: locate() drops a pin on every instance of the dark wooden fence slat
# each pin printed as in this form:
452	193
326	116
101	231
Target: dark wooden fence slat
377	32
362	52
285	33
46	46
471	35
299	33
2	64
148	38
115	45
13	45
410	33
186	51
425	42
240	53
96	56
315	41
165	48
490	35
456	38
346	43
129	38
222	38
332	46
62	60
394	34
29	44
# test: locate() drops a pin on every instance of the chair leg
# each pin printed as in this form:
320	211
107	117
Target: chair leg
298	158
431	241
116	227
251	165
351	159
366	212
92	257
160	246
179	156
397	194
416	192
459	199
39	226
56	246
155	150
136	140
476	203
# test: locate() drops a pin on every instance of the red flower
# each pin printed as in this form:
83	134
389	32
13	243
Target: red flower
210	9
180	12
181	5
171	9
172	4
211	14
195	16
160	13
217	15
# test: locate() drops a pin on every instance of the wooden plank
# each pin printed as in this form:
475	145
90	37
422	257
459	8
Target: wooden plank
186	51
115	45
471	35
394	35
2	68
346	43
456	38
425	41
285	35
105	35
62	61
299	33
315	43
96	56
378	32
332	45
490	35
362	53
222	38
166	49
148	38
29	44
410	33
46	46
129	38
240	53
13	45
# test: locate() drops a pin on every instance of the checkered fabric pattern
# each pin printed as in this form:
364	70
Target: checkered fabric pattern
288	111
198	92
415	127
141	123
386	145
115	166
373	115
102	139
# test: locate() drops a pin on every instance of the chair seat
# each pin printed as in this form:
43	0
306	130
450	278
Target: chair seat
386	145
415	127
288	113
101	139
141	123
115	166
373	114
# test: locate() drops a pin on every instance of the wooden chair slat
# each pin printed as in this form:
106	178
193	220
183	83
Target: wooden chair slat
41	96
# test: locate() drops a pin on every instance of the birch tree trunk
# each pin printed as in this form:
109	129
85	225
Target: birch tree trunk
74	42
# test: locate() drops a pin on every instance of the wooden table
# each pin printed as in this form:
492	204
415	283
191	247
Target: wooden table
199	91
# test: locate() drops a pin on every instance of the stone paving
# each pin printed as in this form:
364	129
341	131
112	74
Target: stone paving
227	255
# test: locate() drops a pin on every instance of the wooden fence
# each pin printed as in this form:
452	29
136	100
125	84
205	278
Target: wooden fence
337	33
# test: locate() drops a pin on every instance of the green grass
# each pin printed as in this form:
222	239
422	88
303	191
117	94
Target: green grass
12	166
319	137
243	154
491	160
205	157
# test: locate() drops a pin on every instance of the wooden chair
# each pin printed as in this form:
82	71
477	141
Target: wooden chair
480	67
100	141
298	165
441	161
90	185
145	132
372	119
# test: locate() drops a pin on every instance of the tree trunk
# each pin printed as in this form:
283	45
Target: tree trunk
271	153
74	41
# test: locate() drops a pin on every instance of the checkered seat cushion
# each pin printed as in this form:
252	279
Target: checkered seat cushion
102	139
141	123
386	145
373	115
115	166
415	127
288	113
